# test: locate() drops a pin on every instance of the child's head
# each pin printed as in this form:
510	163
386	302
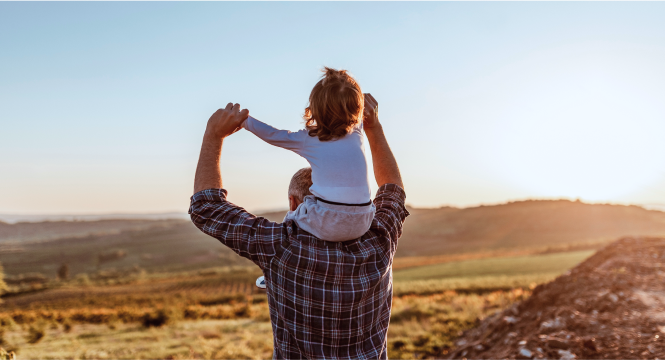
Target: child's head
335	105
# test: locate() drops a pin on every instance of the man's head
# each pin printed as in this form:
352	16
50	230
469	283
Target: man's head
299	187
335	105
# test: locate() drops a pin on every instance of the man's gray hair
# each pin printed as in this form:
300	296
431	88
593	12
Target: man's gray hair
300	184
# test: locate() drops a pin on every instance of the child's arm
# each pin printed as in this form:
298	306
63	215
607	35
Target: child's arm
282	138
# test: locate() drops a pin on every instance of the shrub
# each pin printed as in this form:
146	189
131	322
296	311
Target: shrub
243	310
111	256
224	299
6	355
3	285
157	318
36	333
95	316
67	326
29	278
63	272
83	279
259	299
7	322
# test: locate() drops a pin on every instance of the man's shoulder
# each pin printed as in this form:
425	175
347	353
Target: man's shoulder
391	192
390	211
213	206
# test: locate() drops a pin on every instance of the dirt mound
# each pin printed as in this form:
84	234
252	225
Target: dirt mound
610	306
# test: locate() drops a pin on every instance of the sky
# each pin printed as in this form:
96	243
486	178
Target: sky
103	105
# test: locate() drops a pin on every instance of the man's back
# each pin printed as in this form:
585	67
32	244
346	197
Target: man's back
327	300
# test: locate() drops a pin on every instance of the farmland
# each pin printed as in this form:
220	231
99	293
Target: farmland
430	236
162	289
533	265
212	322
218	313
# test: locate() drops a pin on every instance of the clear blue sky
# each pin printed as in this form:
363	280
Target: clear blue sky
103	105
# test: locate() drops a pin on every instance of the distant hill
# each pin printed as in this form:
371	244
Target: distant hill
174	245
523	224
177	244
52	230
16	218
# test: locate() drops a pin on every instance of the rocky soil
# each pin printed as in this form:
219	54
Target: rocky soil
611	306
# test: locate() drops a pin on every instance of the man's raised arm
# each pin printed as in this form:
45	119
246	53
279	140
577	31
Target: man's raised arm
249	236
385	165
221	124
389	200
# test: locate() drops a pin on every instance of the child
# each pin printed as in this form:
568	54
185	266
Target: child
340	208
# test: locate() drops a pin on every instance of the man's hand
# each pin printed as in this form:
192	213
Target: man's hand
227	121
370	112
221	124
385	165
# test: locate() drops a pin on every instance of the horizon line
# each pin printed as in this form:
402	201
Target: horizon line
9	218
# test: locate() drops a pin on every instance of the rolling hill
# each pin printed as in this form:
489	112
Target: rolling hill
176	244
523	225
53	230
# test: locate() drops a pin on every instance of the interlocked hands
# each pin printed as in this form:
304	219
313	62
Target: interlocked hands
225	122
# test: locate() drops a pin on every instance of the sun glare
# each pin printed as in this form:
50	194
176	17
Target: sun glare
589	128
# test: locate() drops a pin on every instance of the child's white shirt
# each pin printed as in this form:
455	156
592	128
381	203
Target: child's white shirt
339	167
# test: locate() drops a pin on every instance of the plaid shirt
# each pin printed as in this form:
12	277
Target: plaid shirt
327	299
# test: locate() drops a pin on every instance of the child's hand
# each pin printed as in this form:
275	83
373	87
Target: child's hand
225	122
370	112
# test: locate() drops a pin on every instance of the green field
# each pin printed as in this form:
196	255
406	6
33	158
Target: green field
486	274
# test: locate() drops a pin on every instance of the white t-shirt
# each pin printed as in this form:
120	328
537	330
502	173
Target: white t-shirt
339	167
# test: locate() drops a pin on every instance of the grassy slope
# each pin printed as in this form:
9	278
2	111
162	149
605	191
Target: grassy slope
535	264
486	274
521	225
177	245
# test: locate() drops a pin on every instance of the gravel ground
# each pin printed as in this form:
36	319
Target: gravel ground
611	306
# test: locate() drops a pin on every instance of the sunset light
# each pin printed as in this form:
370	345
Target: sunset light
332	180
498	102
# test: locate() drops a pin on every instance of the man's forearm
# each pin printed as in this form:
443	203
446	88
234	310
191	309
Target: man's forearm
208	174
385	165
223	123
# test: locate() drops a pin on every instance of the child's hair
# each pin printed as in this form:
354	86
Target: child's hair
335	105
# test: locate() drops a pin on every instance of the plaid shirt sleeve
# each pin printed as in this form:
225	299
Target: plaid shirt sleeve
252	237
390	211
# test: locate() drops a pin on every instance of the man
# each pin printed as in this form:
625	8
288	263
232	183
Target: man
326	299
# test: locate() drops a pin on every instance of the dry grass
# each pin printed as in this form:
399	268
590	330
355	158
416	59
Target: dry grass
218	313
421	326
203	339
426	326
476	285
195	293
